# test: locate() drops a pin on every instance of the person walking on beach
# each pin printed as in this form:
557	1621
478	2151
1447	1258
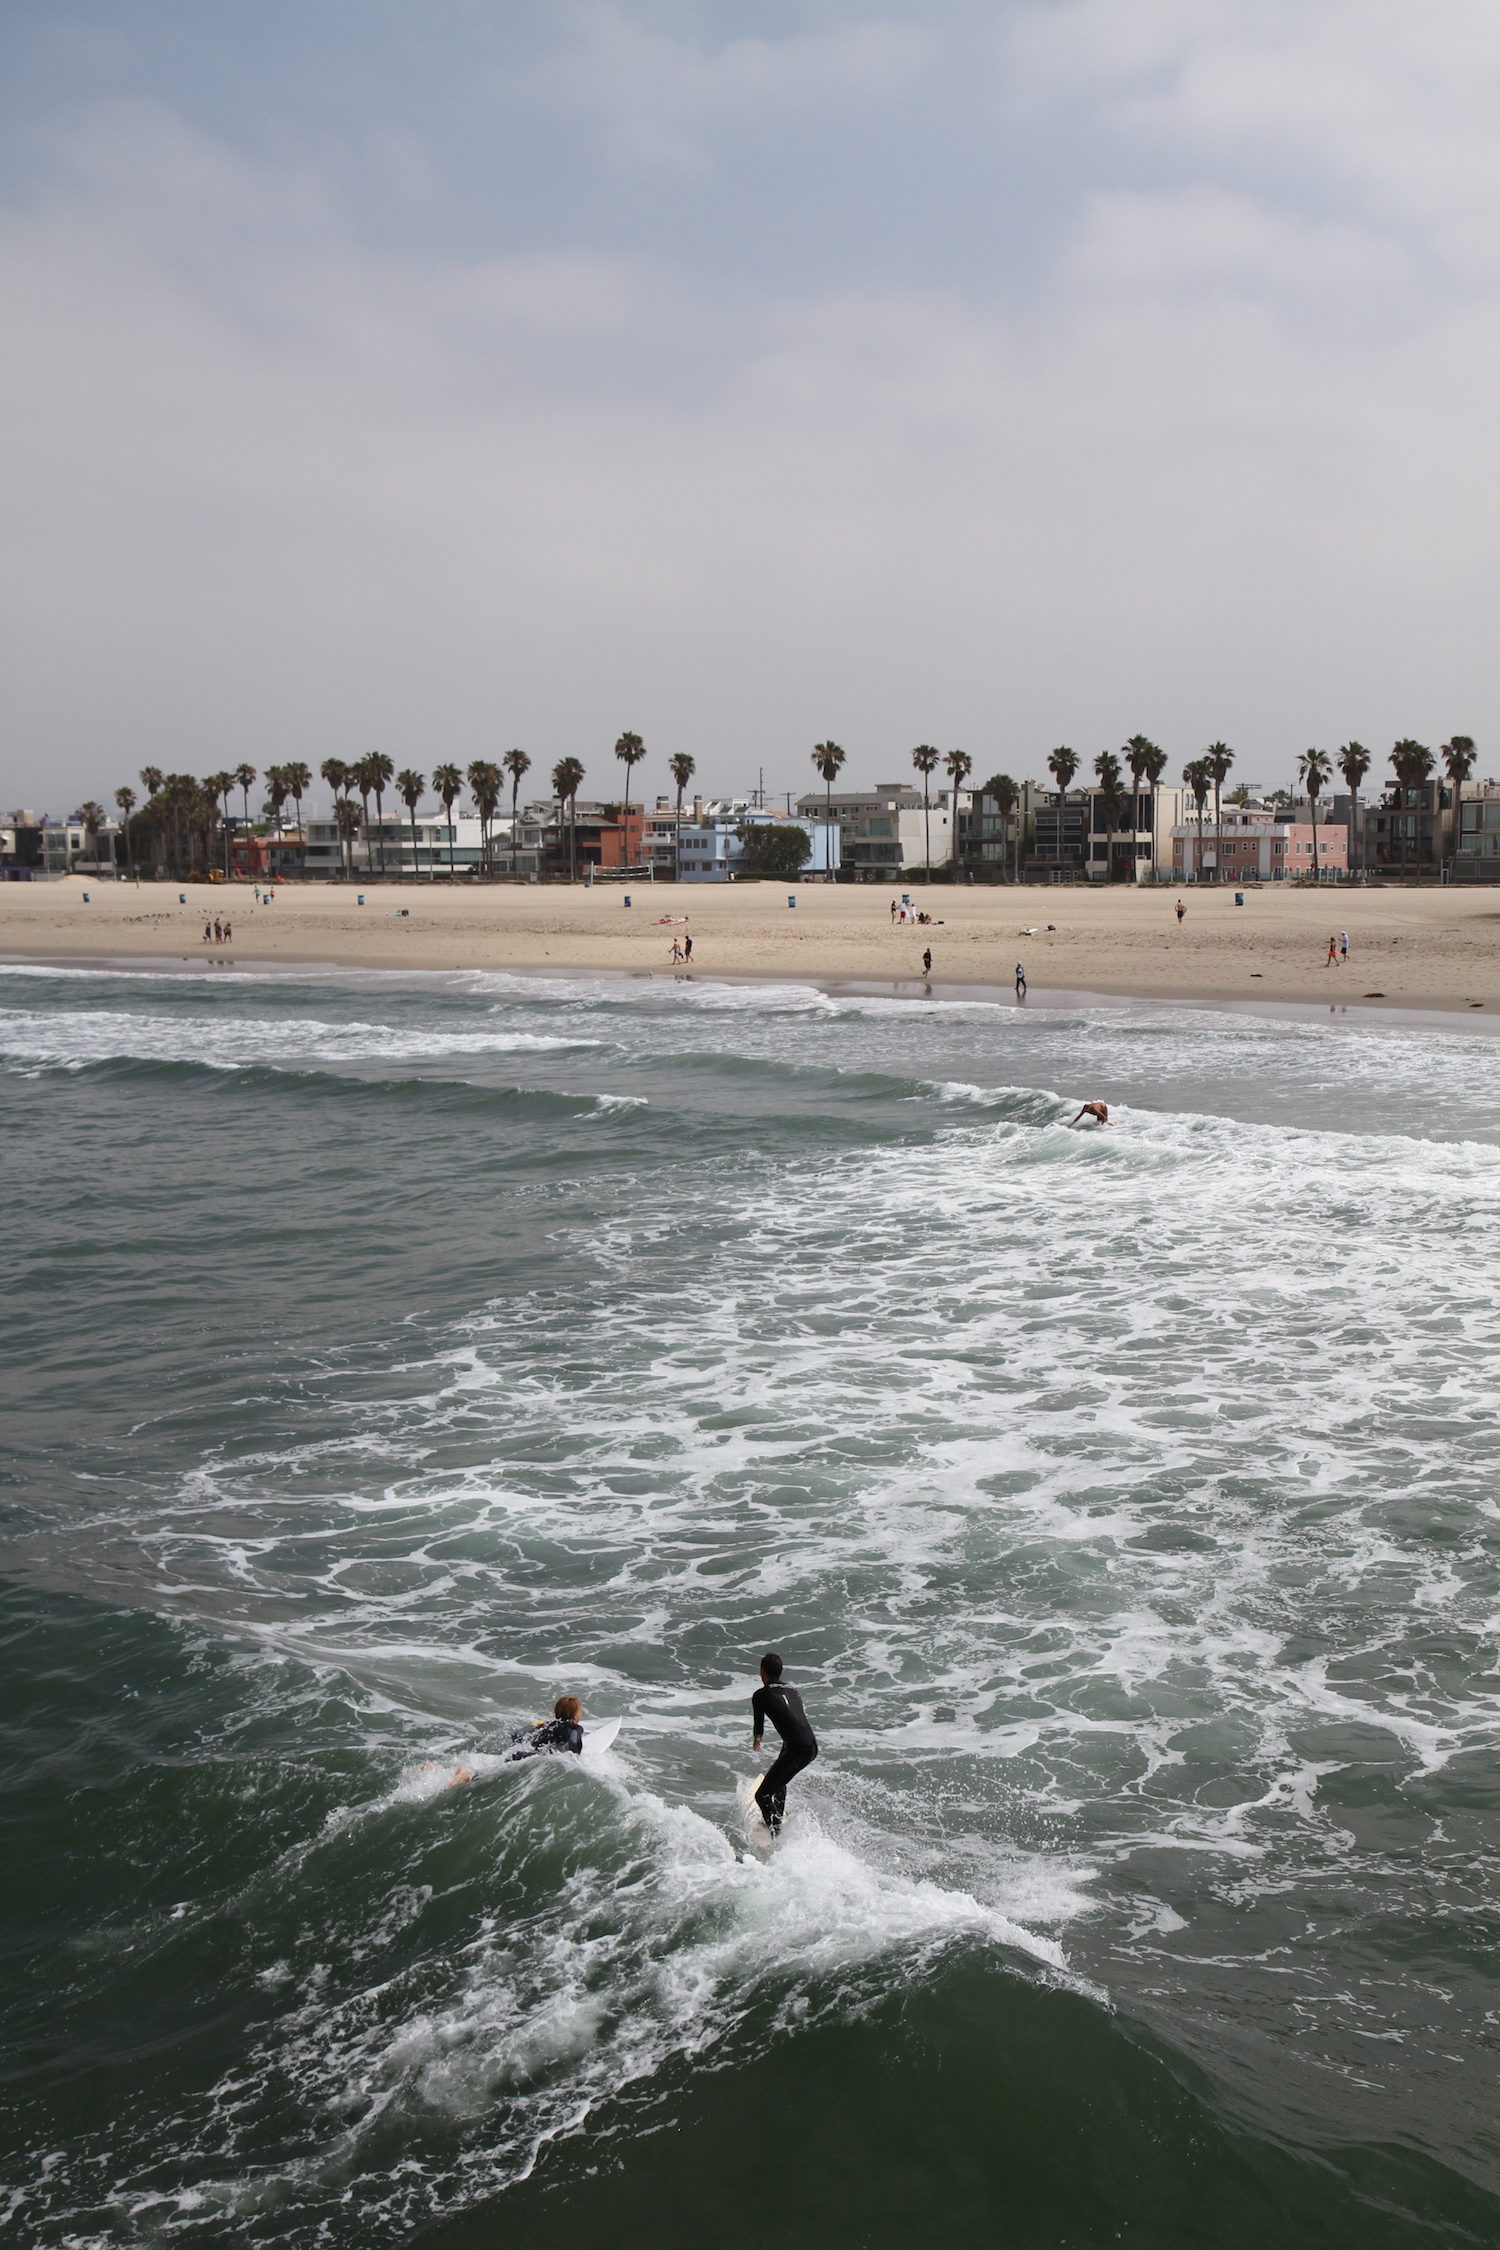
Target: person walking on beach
218	932
927	961
782	1705
687	947
1343	945
1020	980
1333	953
676	949
208	931
895	909
1181	910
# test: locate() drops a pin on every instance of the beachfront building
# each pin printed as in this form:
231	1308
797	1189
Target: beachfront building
1132	840
1060	835
994	847
438	849
1258	844
1476	857
882	831
593	836
707	847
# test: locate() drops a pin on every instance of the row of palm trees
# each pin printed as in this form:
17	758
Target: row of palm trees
189	817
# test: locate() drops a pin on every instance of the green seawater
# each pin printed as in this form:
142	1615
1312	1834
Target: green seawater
388	1355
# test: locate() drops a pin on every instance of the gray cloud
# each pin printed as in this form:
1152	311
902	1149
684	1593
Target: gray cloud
1197	438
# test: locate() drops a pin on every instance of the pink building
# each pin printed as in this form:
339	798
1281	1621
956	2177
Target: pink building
1256	846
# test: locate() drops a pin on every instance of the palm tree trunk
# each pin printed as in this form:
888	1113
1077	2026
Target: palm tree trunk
827	824
927	831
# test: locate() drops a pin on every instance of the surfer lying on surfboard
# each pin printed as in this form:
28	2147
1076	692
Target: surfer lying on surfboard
561	1732
782	1705
1099	1111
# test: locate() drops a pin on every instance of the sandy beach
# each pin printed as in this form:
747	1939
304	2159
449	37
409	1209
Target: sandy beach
1432	949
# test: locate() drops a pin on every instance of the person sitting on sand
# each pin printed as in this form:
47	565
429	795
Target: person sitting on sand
561	1732
1099	1111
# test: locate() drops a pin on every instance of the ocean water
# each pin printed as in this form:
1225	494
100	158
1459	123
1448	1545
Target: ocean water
387	1355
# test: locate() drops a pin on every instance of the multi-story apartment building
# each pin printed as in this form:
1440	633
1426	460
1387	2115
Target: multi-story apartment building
1476	853
706	846
1257	844
884	832
994	847
1133	841
1061	832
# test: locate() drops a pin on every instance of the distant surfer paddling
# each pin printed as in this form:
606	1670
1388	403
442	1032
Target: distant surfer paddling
561	1732
1099	1111
782	1705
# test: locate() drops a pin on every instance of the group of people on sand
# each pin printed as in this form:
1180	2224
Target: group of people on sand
217	932
1338	950
775	1703
682	949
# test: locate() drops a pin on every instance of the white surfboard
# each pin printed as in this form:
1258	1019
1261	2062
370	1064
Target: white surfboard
757	1834
598	1736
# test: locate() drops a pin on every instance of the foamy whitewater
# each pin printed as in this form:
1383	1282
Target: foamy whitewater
388	1355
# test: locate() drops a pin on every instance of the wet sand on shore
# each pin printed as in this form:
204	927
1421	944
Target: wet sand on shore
1414	949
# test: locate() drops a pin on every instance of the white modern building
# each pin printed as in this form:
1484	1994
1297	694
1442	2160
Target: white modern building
431	848
884	833
706	846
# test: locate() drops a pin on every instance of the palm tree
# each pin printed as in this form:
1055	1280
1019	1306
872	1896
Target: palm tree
1062	764
125	799
484	782
1412	762
1219	758
93	818
243	776
1313	770
517	765
447	784
219	785
1458	758
682	769
926	760
567	780
298	778
276	794
629	750
1137	753
1112	789
346	813
1199	779
1353	764
382	774
336	774
409	787
959	766
829	760
1155	766
1007	796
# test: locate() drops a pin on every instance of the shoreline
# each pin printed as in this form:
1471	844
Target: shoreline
1273	1007
1427	955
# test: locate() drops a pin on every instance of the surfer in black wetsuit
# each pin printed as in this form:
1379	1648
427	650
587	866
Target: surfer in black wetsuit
782	1705
561	1732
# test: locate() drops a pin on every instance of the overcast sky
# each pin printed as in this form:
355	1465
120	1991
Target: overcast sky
448	376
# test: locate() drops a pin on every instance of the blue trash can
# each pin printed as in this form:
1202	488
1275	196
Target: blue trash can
791	898
1239	898
360	900
627	898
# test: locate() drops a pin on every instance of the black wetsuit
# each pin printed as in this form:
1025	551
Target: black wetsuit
549	1734
782	1705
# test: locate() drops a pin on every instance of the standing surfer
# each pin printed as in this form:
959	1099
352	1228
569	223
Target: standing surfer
782	1705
